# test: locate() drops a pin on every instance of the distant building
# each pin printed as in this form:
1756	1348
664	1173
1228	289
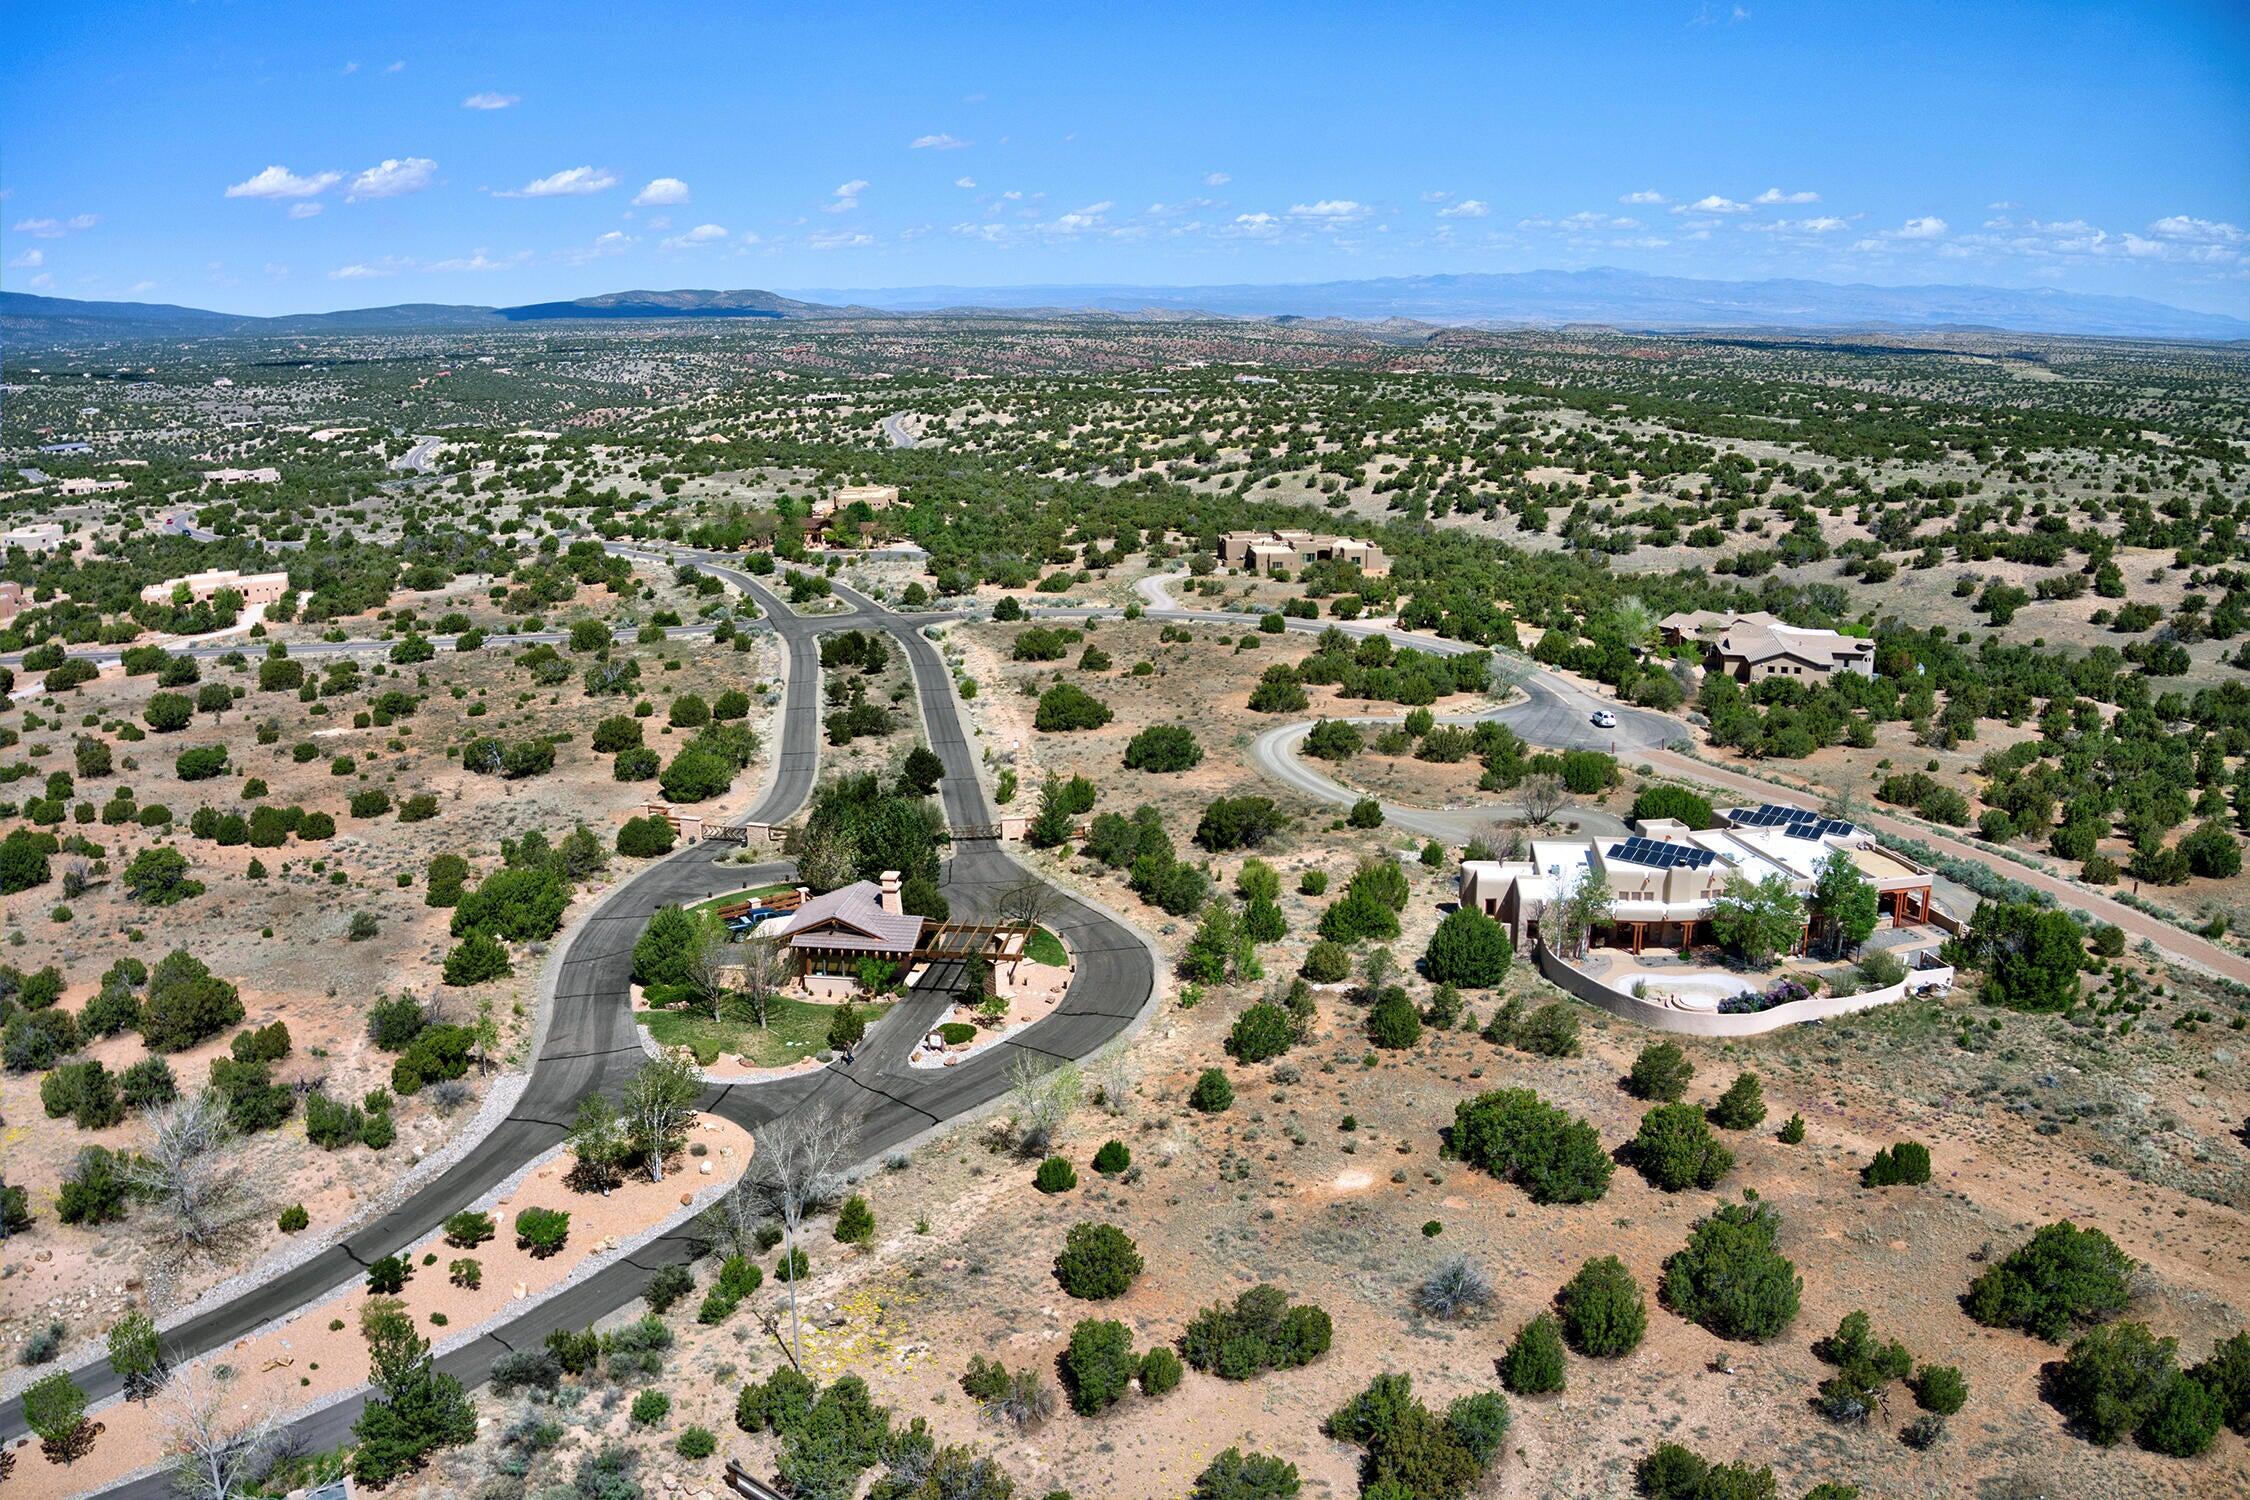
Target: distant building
1292	551
242	476
1752	647
1664	879
66	447
85	486
45	536
11	599
255	588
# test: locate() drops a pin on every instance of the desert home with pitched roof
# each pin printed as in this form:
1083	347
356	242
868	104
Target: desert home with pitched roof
1752	647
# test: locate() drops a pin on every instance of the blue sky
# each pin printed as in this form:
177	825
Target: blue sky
281	157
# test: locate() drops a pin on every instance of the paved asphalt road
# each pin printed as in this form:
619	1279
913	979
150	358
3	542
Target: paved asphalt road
591	1043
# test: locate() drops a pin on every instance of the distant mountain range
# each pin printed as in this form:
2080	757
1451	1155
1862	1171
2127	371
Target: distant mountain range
1614	298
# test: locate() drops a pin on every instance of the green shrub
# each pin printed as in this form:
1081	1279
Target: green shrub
1675	1149
293	1218
1941	1389
1260	1330
1533	1365
1468	949
1098	1262
1160	1371
696	1442
1212	1092
1730	1279
542	1231
1660	1073
651	1407
1055	1175
667	1285
2062	1276
2116	1380
1098	1365
1519	1137
1604	1315
1741	1106
1906	1163
1260	1033
1235	1475
468	1229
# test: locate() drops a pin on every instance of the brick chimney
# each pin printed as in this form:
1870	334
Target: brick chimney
889	899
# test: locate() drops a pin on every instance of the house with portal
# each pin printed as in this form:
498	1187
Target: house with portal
1664	878
828	937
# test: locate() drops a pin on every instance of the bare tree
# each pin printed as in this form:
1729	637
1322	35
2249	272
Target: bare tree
763	972
1041	1099
1113	1076
799	1167
220	1447
191	1174
1543	796
1029	902
710	969
658	1104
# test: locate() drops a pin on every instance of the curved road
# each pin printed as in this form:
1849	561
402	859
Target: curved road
591	1045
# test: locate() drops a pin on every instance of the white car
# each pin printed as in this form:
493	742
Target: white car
1604	719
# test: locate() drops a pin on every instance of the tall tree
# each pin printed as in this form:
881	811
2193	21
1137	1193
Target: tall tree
798	1168
1845	900
658	1104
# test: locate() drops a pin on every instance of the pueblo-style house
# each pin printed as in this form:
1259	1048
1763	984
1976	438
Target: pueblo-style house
1665	878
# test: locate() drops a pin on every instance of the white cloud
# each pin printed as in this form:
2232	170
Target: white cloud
752	237
1467	208
1645	195
1776	195
397	67
142	286
280	182
1930	227
938	142
846	196
613	242
964	182
2200	231
1217	179
1824	224
701	234
838	240
306	210
571	182
1258	226
1080	219
480	262
491	101
358	272
42	281
391	177
29	260
1334	210
662	190
55	229
1711	203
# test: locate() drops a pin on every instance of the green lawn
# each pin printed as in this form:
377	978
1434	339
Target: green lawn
794	1030
1043	947
733	896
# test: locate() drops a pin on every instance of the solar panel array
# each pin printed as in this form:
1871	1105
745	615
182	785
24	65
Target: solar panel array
1795	822
1659	855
